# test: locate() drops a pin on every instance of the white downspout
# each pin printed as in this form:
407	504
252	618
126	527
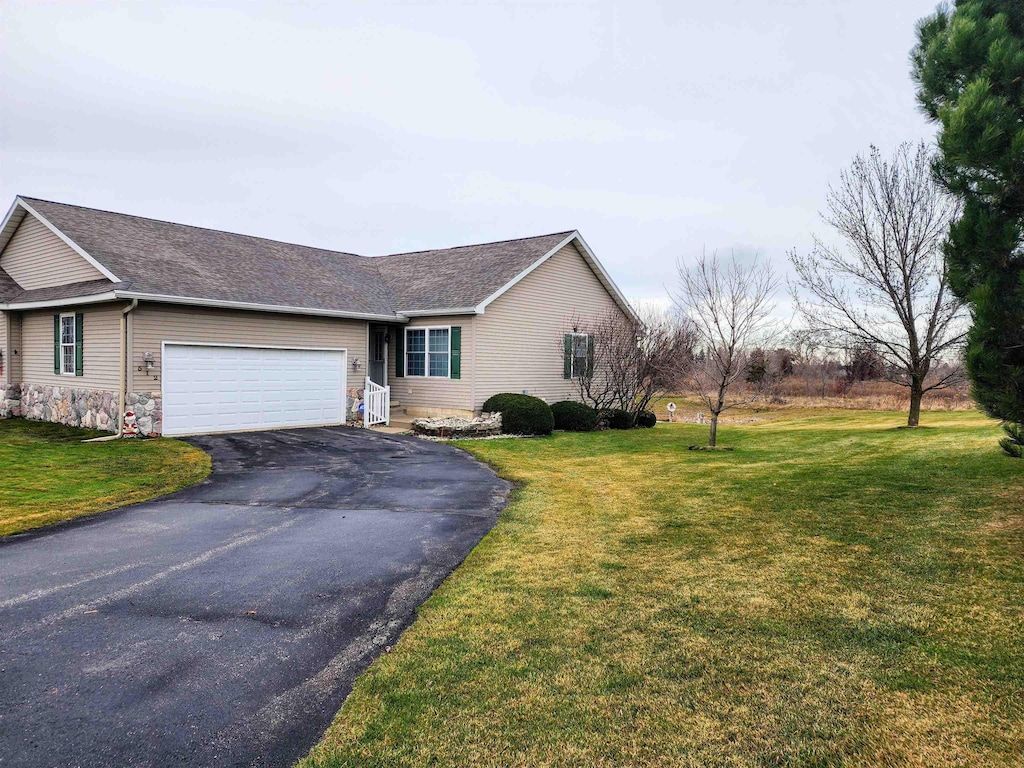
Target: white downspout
125	362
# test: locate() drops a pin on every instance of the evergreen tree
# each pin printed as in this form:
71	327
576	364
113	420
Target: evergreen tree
969	67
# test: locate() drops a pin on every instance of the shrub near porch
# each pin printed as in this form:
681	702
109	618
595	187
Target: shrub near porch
836	591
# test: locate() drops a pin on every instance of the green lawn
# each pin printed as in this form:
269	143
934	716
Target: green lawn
47	474
834	592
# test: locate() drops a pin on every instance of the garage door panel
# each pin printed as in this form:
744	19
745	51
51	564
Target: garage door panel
208	388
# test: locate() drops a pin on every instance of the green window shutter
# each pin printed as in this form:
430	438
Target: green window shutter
567	357
590	355
456	352
400	353
56	344
78	343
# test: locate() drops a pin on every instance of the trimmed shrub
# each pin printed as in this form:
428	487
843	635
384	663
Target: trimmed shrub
573	416
619	419
521	414
646	419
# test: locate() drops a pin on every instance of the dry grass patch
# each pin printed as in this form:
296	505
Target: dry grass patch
822	596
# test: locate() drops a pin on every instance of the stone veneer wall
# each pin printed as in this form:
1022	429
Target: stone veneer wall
10	400
148	410
87	408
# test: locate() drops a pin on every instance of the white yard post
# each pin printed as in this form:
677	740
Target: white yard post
366	402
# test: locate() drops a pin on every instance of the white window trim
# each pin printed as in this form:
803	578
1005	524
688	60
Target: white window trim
73	344
573	373
426	356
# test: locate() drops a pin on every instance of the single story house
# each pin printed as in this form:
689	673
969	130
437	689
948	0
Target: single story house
197	330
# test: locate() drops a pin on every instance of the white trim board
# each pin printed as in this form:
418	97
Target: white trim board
437	312
233	345
225	304
98	298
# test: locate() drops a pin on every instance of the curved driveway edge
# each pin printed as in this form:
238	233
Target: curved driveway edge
225	624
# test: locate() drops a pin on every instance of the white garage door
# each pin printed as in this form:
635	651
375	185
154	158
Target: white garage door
225	389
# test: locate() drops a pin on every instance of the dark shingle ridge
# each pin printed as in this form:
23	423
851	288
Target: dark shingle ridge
563	234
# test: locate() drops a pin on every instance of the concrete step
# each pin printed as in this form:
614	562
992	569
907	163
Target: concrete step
394	429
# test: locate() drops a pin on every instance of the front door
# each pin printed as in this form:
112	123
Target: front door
379	356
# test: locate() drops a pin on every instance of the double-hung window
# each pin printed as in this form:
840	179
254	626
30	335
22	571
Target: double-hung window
579	357
428	352
68	343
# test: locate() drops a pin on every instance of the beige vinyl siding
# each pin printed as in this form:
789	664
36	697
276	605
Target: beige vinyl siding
13	352
101	349
36	258
5	348
520	335
152	324
428	392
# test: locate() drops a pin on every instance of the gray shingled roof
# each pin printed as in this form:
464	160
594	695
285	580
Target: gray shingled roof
178	260
66	291
168	259
8	287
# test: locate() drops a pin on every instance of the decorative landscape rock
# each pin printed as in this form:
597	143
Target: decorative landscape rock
484	425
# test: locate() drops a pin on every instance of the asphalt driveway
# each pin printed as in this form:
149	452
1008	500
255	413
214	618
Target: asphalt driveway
224	625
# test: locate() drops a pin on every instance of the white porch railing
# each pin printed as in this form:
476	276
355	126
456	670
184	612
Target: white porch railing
376	404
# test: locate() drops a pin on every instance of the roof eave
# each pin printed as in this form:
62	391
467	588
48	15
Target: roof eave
438	312
257	307
97	298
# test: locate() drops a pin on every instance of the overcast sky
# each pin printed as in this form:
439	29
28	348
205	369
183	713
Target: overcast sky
656	129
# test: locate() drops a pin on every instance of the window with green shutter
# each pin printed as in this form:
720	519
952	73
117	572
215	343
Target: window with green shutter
456	352
68	331
56	344
79	336
433	352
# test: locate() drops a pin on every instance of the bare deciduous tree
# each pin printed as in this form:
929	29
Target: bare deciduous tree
729	307
887	289
629	361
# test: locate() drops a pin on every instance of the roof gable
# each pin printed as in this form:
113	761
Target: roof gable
460	278
35	254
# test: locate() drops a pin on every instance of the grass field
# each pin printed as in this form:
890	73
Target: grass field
834	592
47	474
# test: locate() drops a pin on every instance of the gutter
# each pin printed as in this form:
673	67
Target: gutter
406	313
94	299
224	304
122	404
116	295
